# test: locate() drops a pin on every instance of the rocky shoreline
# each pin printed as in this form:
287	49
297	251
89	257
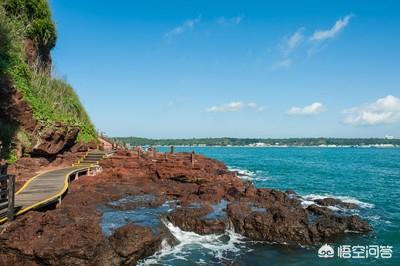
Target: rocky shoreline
115	218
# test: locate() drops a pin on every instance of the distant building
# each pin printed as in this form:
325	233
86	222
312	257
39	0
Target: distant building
258	144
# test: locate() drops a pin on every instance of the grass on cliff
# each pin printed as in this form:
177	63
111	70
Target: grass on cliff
35	16
55	100
52	100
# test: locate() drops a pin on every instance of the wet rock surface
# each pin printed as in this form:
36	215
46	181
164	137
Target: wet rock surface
116	218
335	202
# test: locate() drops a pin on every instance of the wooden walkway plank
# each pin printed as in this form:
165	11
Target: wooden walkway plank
47	188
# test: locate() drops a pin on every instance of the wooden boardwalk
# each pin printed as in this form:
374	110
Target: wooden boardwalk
49	187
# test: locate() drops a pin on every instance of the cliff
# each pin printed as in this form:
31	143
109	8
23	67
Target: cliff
39	115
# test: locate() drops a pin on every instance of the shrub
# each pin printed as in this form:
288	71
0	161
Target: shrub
35	15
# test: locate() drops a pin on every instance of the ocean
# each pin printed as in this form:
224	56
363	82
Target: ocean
369	177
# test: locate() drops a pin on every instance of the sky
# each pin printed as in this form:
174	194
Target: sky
183	69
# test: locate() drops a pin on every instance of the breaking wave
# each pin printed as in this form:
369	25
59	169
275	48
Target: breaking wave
219	247
307	200
248	175
243	173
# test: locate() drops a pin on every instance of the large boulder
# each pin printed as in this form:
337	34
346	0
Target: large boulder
54	140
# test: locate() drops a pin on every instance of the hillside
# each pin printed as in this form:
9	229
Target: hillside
39	114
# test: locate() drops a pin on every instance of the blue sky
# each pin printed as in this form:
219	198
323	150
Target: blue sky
166	69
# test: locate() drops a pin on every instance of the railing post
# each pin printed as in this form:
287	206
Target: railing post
11	197
4	187
192	159
59	202
138	154
154	153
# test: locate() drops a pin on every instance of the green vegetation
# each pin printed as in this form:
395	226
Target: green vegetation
135	141
7	132
35	17
52	100
55	100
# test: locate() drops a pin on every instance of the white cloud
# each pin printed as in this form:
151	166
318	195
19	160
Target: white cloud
321	35
189	24
312	109
230	21
227	107
288	45
234	107
383	111
292	42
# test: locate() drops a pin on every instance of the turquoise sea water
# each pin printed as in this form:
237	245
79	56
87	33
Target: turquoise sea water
369	177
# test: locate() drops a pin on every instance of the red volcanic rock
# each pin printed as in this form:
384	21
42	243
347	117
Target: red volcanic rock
194	219
66	159
83	146
13	109
54	140
18	116
132	242
204	198
335	202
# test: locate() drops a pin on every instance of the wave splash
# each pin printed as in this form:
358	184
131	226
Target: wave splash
309	199
205	247
243	173
248	175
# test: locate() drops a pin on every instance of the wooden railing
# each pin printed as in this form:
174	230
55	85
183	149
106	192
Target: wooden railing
7	196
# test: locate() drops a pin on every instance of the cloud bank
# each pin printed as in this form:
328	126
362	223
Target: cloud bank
385	110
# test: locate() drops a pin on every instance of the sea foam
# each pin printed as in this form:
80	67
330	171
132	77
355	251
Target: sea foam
248	175
307	200
243	173
214	245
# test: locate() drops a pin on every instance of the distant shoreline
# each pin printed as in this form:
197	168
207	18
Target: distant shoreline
387	142
277	146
